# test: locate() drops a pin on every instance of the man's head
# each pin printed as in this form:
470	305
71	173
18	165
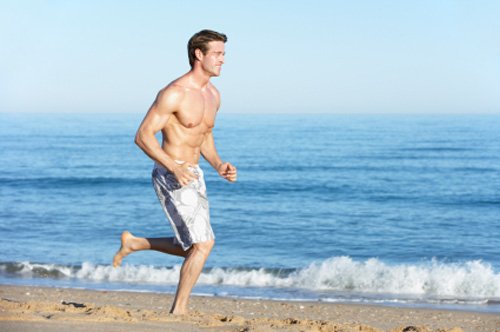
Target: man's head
200	41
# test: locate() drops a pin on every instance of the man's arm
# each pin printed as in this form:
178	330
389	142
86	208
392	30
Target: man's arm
209	152
166	103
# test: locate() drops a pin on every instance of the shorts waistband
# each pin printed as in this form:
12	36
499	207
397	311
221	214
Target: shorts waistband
179	162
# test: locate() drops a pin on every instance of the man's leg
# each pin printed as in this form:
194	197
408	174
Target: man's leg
191	269
130	243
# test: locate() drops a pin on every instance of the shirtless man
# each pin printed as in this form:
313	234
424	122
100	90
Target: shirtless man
184	111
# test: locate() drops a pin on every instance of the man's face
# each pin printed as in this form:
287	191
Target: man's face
213	60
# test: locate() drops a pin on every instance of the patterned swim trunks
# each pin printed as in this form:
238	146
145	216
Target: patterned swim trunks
185	207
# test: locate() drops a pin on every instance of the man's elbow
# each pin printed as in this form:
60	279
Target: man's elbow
138	140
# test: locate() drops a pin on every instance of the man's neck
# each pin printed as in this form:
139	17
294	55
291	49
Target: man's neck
199	78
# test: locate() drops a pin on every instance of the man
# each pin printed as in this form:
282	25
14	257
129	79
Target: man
184	111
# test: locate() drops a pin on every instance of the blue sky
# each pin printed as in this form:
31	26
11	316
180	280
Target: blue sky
282	56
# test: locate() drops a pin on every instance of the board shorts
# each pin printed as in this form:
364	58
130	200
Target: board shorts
186	207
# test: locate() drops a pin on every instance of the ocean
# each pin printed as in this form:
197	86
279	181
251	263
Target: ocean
399	210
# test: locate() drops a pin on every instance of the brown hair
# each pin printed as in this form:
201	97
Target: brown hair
200	41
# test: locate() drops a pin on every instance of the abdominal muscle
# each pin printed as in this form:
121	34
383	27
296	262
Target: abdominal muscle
183	144
182	153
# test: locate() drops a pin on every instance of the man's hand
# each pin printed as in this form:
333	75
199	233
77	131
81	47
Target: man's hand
183	174
227	171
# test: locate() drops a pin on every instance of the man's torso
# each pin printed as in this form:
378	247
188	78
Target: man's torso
193	119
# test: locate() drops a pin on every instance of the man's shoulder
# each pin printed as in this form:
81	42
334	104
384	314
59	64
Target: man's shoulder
172	93
173	87
169	99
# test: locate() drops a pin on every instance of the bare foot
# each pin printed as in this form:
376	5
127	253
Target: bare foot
124	250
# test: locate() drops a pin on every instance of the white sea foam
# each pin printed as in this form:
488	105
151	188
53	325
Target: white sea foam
432	280
474	279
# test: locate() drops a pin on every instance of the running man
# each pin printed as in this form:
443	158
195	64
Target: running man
184	111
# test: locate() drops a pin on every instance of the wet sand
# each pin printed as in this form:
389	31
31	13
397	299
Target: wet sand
60	309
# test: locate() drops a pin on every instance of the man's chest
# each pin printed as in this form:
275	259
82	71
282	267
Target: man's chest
198	109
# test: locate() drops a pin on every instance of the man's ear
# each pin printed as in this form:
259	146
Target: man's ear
198	54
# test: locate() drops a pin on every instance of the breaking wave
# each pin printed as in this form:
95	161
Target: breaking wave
431	280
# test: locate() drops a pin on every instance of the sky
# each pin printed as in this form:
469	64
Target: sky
373	56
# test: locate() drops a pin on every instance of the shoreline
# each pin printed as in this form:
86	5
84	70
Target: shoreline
199	291
59	309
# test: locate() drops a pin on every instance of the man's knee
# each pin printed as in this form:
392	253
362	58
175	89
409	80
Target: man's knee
204	247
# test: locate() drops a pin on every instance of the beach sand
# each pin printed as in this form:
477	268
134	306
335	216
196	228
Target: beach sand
61	309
